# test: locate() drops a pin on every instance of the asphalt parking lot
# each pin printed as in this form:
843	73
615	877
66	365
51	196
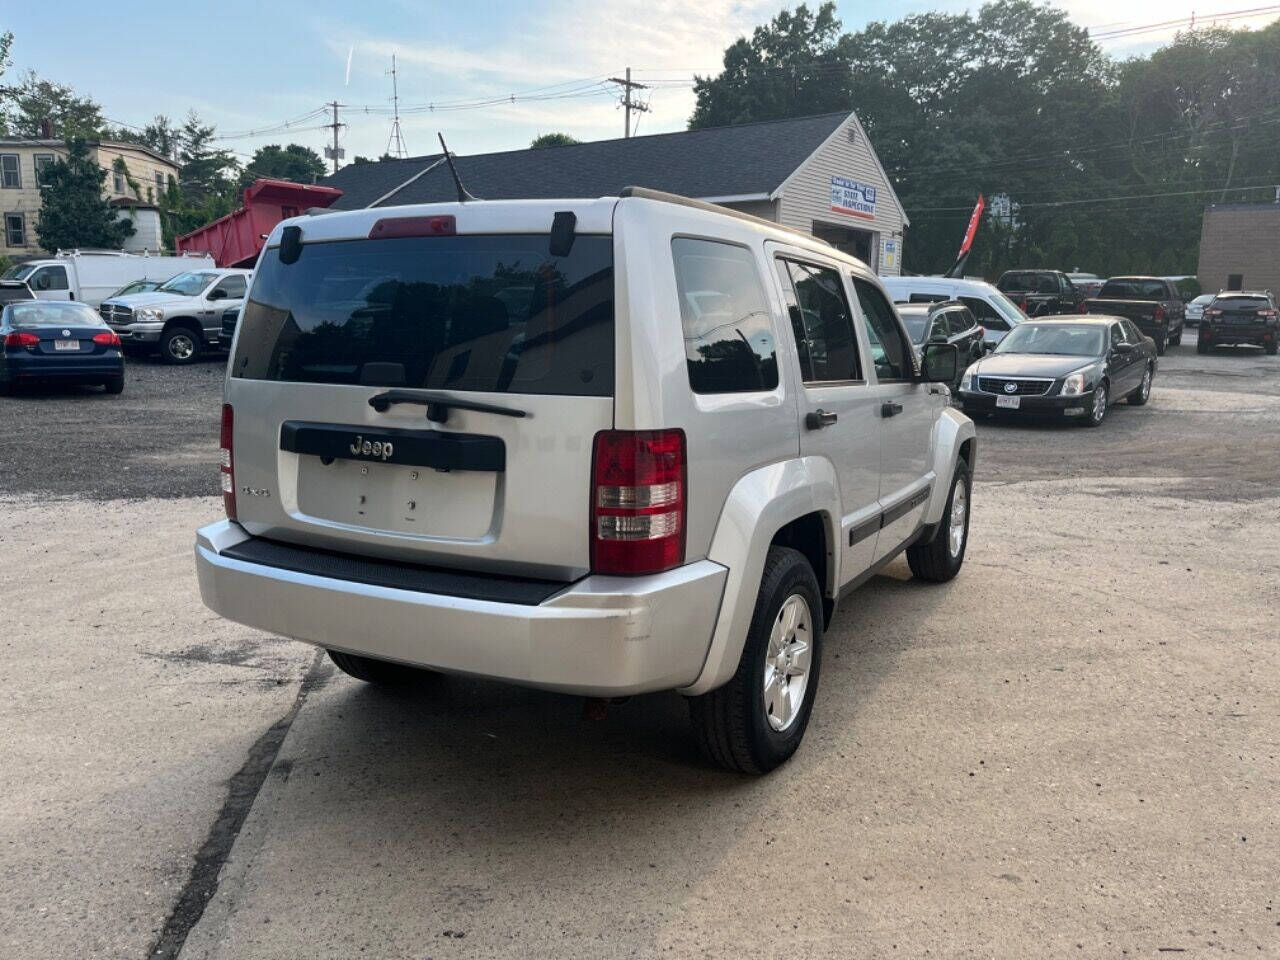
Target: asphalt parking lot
1073	749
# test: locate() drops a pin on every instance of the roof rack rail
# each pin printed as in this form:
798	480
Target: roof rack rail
646	193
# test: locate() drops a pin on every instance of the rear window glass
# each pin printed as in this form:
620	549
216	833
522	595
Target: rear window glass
46	313
495	314
1025	281
729	341
1134	290
1242	303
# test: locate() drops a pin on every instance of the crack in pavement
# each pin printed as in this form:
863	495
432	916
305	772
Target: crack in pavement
242	791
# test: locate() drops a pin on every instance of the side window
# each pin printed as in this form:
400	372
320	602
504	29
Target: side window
233	287
49	278
729	342
962	321
985	313
821	321
1117	334
1131	332
927	297
15	230
894	360
41	160
1065	283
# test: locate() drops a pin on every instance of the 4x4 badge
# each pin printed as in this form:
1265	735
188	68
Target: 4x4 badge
382	449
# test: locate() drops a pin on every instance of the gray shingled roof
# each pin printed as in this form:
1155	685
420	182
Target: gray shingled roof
751	158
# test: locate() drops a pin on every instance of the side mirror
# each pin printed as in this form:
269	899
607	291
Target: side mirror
989	346
217	294
1122	347
939	363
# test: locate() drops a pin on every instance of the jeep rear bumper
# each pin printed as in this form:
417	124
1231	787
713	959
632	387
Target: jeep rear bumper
600	636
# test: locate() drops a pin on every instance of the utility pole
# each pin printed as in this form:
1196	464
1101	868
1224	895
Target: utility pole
395	143
628	103
335	152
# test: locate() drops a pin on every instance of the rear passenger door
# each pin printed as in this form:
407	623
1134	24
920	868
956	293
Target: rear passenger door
907	410
838	415
1126	367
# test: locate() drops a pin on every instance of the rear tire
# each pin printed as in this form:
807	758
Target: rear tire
1176	340
180	345
737	725
1270	348
1162	344
940	558
1202	344
381	672
115	384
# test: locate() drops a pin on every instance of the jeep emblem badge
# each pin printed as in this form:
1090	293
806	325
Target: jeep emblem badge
382	449
1010	387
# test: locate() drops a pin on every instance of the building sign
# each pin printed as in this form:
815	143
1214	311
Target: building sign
889	256
855	199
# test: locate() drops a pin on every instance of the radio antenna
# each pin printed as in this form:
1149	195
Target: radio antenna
463	195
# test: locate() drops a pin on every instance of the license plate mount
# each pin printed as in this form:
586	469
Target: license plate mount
66	345
1008	403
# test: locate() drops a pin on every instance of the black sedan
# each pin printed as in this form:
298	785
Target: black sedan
57	340
1071	368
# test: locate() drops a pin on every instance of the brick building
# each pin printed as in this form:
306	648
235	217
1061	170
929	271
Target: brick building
1240	247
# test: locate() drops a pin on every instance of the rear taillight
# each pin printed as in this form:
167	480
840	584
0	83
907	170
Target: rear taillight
637	501
1083	308
1268	313
21	340
107	339
226	470
1212	312
1158	316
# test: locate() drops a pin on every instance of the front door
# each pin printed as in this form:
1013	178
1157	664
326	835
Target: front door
50	283
907	410
1126	368
839	419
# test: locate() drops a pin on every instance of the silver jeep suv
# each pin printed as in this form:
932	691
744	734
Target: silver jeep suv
604	447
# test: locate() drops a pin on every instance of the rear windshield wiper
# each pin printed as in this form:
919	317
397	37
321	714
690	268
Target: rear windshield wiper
438	407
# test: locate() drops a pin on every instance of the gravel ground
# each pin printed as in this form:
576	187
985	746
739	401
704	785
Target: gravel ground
1070	750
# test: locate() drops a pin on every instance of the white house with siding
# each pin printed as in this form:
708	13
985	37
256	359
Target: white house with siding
817	174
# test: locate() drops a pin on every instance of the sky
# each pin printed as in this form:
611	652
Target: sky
249	67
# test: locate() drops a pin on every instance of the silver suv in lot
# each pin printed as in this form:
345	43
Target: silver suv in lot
603	447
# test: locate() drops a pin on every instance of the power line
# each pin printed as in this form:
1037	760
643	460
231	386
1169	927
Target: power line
1104	199
628	103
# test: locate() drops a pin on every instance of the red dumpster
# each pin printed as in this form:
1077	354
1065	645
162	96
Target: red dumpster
236	239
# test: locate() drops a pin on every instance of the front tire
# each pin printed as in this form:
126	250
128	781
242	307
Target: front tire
1140	396
939	558
1098	412
180	345
381	672
756	721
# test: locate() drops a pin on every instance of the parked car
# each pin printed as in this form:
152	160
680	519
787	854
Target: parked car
136	286
63	342
946	322
1152	303
182	317
611	492
995	312
1240	317
11	290
1088	284
1195	309
1041	293
1071	368
90	276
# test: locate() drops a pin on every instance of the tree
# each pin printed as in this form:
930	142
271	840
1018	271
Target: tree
795	65
159	135
293	162
205	172
73	211
33	103
553	140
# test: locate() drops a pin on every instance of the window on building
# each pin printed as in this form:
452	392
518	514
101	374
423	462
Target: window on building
159	184
118	181
10	171
729	341
15	230
821	321
42	160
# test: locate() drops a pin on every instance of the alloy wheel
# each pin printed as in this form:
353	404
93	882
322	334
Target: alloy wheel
959	514
786	662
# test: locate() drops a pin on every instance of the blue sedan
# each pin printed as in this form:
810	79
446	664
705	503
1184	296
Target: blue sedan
57	340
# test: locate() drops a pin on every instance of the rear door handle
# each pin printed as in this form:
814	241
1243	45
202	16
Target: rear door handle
817	419
890	408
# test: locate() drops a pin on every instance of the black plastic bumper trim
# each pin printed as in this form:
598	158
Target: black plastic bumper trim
390	573
437	449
